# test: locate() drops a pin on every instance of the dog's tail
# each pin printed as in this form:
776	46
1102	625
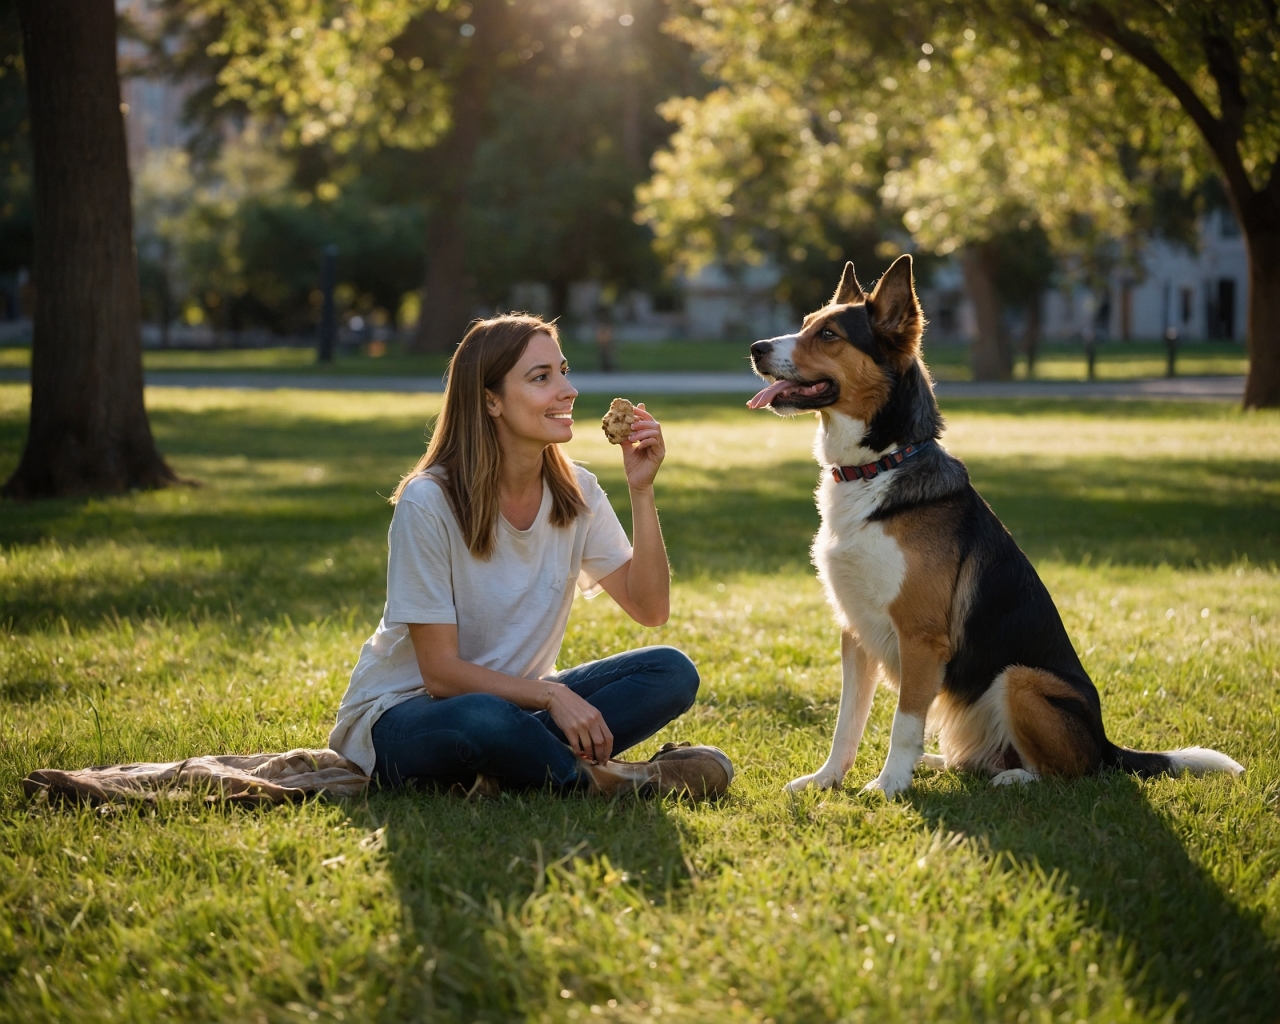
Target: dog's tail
1147	763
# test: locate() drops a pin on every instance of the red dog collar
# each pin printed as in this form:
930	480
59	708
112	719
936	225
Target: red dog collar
844	474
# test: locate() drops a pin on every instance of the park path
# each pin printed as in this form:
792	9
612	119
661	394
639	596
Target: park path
1200	389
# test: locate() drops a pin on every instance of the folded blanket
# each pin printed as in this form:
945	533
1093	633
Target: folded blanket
253	778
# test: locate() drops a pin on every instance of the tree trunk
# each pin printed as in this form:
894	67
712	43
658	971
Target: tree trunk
1262	387
88	430
446	305
559	285
166	295
991	355
1031	335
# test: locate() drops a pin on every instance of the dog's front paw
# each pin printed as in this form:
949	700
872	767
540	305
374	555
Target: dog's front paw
887	784
823	778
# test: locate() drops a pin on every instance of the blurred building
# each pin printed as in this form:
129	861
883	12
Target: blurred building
1201	294
716	304
1193	294
152	105
738	304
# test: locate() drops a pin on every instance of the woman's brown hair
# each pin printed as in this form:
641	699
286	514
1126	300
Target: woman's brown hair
464	442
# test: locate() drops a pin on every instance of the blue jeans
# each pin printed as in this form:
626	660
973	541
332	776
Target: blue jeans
450	741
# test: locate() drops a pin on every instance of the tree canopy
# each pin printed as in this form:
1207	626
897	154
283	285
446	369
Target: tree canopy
1219	61
513	135
964	121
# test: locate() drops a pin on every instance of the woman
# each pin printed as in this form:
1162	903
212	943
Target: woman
491	532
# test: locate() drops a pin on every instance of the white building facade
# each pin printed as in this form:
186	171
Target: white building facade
1198	294
716	304
732	305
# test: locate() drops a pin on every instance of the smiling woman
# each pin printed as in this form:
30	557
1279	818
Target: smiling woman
492	531
516	362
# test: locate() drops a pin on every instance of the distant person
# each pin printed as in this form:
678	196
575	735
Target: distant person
492	531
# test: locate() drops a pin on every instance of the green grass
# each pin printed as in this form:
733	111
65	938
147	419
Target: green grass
225	617
1116	360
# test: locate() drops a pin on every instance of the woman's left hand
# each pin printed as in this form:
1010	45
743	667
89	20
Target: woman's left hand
644	452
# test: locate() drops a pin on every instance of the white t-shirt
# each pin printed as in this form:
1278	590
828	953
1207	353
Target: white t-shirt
511	611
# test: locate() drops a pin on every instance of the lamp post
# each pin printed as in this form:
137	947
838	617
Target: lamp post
328	335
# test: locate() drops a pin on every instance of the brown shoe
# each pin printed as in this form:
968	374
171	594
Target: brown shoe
676	768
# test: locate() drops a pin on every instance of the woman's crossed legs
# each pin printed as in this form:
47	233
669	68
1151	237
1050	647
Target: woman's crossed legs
451	741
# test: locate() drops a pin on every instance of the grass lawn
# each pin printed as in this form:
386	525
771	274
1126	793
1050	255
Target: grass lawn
226	617
1116	360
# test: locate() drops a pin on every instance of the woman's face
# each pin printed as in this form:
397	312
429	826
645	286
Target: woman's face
536	404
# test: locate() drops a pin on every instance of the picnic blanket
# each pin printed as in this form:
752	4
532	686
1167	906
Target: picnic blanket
252	778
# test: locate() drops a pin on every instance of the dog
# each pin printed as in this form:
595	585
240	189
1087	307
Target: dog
930	590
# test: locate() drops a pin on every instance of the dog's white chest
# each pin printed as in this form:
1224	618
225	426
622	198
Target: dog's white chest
861	566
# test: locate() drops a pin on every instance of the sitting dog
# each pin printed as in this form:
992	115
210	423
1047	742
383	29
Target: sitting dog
929	588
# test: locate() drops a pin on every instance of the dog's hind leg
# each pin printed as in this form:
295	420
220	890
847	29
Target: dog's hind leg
1054	729
859	672
1014	777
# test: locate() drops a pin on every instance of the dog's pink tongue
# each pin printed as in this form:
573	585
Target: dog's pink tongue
762	400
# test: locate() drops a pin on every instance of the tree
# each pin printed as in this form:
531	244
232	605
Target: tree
335	81
1141	81
468	63
1217	59
832	117
88	429
552	191
434	97
1003	155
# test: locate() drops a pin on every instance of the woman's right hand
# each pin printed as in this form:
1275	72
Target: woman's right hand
582	724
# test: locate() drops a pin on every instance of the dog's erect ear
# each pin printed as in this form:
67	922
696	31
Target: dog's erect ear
894	308
848	290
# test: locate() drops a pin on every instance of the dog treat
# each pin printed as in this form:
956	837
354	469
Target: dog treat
618	420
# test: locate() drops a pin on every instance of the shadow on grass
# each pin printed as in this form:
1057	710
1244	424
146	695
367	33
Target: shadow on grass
1184	941
252	541
465	871
1184	513
262	557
